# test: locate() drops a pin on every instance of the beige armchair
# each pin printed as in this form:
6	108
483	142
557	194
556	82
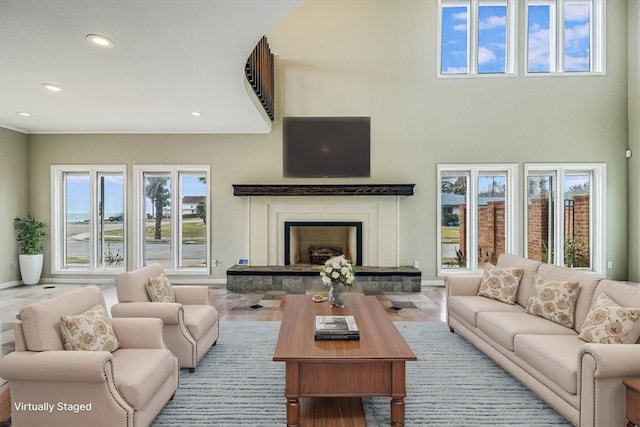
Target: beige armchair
51	386
190	324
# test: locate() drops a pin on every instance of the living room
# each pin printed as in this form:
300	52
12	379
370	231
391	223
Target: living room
356	58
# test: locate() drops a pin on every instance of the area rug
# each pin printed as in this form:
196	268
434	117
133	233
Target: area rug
451	384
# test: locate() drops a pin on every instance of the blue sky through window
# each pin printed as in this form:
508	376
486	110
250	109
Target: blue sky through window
492	37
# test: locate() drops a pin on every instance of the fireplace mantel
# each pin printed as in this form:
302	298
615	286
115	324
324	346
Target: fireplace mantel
323	189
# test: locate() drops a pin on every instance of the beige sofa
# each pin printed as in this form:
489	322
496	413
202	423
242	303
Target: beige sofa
582	381
51	386
190	324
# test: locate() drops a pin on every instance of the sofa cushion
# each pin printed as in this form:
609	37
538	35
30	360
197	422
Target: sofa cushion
500	283
140	373
503	327
529	269
468	307
41	320
159	289
587	283
555	356
624	293
88	331
554	300
610	323
199	319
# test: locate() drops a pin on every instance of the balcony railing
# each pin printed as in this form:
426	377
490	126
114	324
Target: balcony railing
260	74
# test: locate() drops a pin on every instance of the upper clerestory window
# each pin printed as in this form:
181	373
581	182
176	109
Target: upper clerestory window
565	36
477	37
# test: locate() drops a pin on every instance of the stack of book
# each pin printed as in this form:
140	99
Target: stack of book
336	328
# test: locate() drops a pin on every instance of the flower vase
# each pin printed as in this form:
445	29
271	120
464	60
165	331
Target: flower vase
336	294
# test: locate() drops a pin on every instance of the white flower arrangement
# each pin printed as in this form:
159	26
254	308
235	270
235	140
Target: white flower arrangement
337	269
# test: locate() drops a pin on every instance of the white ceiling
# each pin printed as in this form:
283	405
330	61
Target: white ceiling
171	57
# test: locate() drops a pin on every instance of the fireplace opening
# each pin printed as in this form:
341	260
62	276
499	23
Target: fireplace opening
315	242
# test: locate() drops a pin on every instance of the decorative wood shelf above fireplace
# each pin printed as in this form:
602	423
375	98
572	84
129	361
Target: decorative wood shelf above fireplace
323	190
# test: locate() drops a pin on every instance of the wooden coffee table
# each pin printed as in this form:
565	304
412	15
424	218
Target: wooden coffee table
348	370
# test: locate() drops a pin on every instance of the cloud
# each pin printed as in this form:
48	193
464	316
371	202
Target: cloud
576	63
485	55
456	70
460	16
460	27
493	22
577	32
577	12
538	51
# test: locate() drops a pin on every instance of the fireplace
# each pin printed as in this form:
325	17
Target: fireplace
313	242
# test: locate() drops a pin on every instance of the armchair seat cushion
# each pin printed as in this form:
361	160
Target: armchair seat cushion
140	373
199	319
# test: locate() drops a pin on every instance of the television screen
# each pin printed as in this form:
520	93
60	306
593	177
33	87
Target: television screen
331	147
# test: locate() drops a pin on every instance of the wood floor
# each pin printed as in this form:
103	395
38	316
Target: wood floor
426	306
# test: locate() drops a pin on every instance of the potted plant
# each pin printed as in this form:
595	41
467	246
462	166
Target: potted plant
30	236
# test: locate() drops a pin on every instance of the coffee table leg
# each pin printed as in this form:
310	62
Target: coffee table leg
397	411
293	412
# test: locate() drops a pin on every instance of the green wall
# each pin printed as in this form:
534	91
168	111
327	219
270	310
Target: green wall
634	140
379	59
14	191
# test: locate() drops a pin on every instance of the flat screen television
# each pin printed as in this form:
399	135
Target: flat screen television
326	147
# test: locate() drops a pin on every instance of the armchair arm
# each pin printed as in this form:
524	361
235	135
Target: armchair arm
64	366
191	295
138	332
169	312
463	285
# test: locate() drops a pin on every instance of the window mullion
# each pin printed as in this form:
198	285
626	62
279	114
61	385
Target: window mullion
472	212
472	34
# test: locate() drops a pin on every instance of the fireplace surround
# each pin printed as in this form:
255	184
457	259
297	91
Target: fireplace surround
375	206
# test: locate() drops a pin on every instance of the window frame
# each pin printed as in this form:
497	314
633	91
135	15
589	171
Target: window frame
511	228
597	211
58	219
597	42
176	208
511	38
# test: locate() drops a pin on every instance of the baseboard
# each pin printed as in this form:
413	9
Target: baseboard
10	284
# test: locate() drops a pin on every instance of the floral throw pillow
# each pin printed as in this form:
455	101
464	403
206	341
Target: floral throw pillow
89	331
609	323
160	290
500	283
553	299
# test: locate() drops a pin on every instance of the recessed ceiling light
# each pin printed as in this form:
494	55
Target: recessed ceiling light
99	40
24	114
197	113
51	87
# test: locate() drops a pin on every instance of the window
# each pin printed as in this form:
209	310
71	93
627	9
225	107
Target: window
476	216
172	217
89	219
565	215
565	36
477	37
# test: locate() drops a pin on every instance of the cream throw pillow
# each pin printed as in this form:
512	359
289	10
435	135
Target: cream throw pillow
609	323
553	299
500	283
160	290
89	331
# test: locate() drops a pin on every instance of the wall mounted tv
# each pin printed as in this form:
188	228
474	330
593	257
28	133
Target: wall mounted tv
326	147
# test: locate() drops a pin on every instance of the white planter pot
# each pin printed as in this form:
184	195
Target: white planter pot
30	268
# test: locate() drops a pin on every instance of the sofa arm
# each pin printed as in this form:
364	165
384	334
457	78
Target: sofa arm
54	366
191	295
613	360
602	368
169	312
138	332
463	285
